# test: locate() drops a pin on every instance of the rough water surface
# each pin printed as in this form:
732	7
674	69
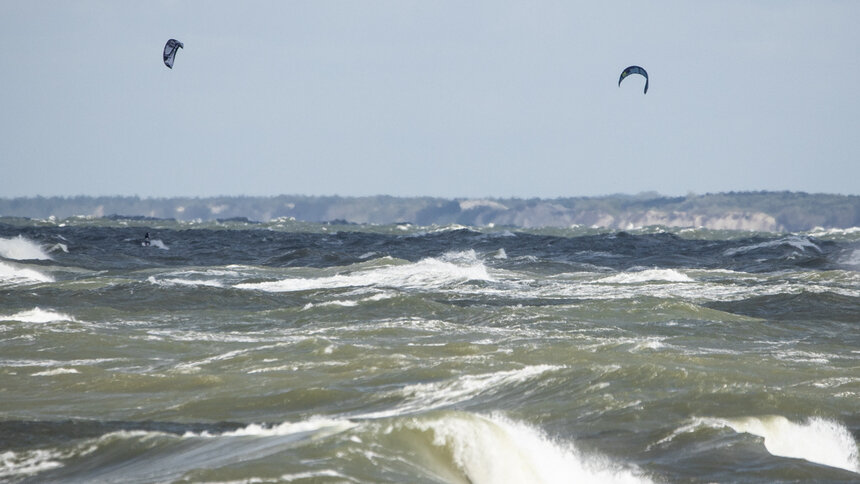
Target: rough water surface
298	352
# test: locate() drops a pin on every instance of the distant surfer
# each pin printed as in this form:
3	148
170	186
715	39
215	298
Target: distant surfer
146	240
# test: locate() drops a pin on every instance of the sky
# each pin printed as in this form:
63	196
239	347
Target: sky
428	98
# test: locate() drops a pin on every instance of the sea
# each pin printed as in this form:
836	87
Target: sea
286	351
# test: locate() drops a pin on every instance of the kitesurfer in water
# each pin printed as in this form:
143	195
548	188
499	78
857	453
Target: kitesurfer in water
146	240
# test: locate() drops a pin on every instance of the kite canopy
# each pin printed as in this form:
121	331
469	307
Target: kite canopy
170	49
634	70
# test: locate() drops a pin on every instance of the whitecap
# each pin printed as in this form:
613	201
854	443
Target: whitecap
15	274
182	282
160	244
57	371
316	425
21	248
822	232
37	315
817	440
798	242
428	396
59	246
427	273
648	275
27	463
495	449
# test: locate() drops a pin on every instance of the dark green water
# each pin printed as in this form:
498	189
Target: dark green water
293	352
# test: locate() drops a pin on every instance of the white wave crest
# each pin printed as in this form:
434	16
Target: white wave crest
649	275
57	371
426	273
182	282
37	315
494	449
59	246
21	248
822	232
27	463
156	243
428	396
817	440
798	242
14	274
317	426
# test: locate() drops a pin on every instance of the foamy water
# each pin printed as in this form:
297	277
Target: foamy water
427	273
14	274
21	248
37	315
817	440
307	352
429	396
496	450
649	275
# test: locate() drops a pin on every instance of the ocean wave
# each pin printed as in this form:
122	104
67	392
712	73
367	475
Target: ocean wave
315	425
167	282
822	232
164	456
851	259
453	268
817	440
349	302
21	248
494	449
648	275
37	315
13	274
28	462
57	371
422	397
799	243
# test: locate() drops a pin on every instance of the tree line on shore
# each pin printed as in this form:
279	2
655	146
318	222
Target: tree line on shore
771	211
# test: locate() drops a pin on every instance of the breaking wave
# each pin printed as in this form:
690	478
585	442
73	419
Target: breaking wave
37	315
494	449
426	273
817	440
648	275
21	248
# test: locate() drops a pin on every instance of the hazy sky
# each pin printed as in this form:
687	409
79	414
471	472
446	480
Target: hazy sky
442	98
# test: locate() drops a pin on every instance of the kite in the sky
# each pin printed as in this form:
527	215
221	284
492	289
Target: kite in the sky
170	49
632	70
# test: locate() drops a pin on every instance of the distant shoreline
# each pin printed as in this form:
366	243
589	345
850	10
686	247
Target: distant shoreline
756	211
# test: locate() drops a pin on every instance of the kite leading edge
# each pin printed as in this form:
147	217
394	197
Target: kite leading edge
170	49
634	70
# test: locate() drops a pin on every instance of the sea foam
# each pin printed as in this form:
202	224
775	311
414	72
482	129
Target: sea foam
14	274
21	248
426	273
27	463
495	449
317	426
428	396
649	275
817	440
37	315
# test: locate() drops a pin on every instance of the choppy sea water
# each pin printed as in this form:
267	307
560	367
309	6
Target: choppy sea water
296	352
